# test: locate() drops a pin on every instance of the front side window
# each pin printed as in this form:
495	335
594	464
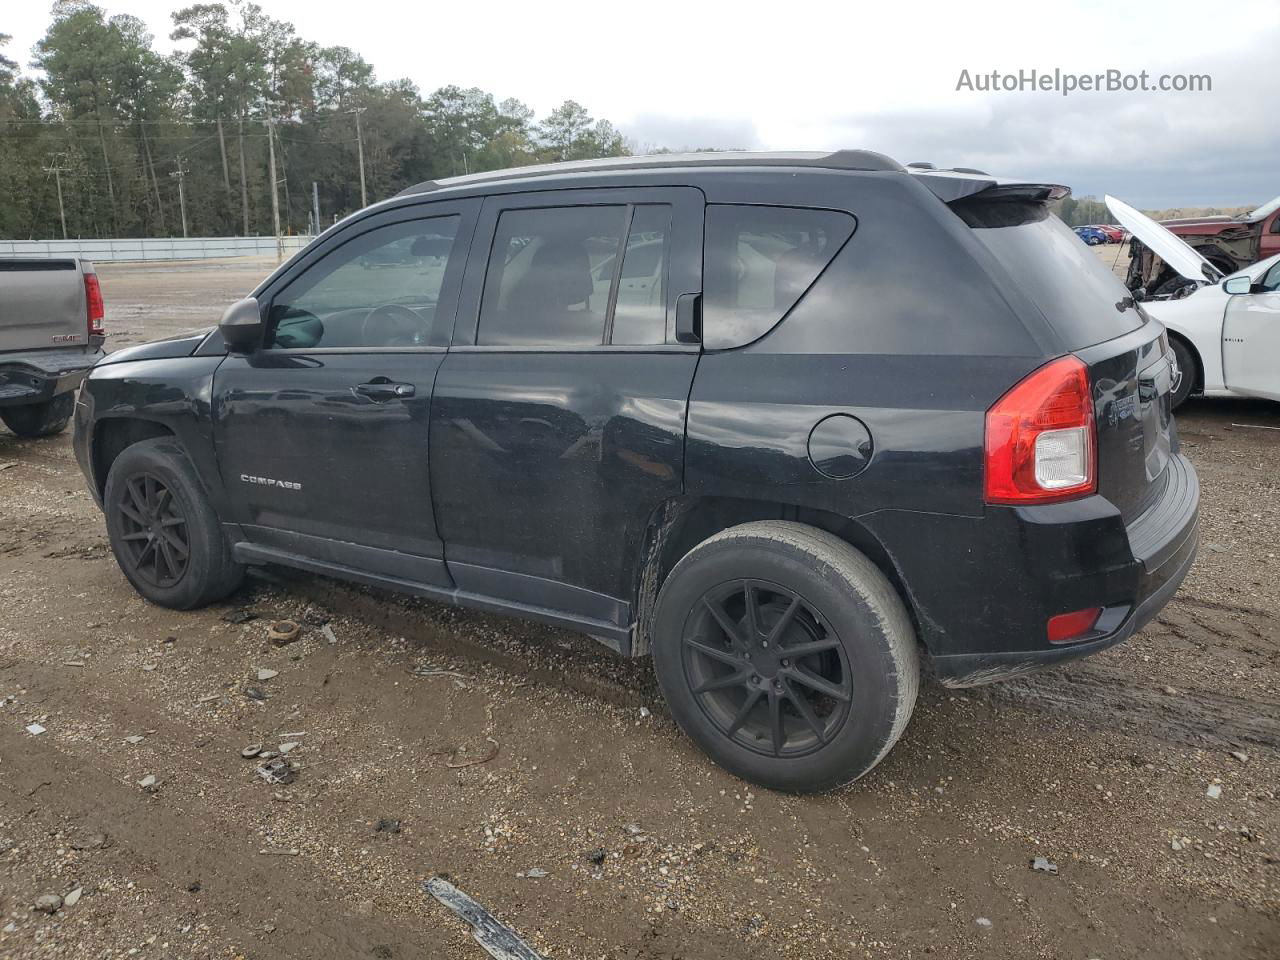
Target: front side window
377	290
758	261
577	276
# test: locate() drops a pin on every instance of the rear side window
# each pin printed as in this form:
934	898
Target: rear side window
1066	279
758	261
577	276
640	311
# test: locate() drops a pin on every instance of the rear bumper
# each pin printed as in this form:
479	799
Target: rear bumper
41	375
971	670
983	610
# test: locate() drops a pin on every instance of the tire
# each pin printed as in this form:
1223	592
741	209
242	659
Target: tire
1190	369
40	419
156	507
809	587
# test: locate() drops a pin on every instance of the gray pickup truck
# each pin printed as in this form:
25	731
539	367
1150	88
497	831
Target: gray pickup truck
51	333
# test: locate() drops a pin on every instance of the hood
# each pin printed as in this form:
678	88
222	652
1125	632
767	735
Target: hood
183	345
1173	250
1264	211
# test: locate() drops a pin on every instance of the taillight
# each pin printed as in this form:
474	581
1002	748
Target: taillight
1041	443
96	310
1068	627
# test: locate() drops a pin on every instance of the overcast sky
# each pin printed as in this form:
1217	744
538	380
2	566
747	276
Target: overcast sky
788	75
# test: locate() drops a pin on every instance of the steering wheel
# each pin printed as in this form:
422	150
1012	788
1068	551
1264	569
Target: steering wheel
391	325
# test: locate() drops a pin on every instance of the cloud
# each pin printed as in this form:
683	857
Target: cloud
1217	148
650	130
1153	149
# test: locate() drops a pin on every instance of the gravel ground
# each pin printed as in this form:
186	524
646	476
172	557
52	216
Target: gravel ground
437	741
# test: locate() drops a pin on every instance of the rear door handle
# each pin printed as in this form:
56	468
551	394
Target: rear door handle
382	390
689	318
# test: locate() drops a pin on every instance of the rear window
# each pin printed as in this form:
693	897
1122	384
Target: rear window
1074	289
757	263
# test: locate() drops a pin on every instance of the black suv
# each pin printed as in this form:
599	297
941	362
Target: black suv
786	423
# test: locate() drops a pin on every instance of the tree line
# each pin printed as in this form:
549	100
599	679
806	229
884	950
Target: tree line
136	141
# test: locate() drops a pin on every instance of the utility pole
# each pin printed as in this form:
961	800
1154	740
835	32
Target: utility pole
315	206
364	197
275	197
180	175
57	176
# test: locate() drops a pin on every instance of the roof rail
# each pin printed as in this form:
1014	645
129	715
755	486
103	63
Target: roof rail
867	160
858	160
921	165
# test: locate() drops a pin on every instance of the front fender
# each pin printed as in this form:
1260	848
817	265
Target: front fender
172	393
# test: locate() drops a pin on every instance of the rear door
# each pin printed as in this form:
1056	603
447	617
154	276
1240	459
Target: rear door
1251	340
41	305
322	434
557	424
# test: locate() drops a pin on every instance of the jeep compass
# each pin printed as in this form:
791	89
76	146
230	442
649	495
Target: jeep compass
788	424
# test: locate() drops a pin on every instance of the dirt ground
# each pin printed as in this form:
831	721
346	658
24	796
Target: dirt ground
437	741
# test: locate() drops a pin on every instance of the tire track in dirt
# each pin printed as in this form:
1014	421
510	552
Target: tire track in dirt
575	666
1089	691
1106	696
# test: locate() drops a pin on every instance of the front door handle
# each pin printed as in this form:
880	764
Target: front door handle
382	390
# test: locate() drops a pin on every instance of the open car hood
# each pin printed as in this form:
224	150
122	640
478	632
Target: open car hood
1264	211
1172	249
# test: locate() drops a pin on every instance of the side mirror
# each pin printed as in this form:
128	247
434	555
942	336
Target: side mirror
1237	285
241	326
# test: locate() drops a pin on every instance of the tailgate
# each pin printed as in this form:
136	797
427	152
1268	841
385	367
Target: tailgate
1132	379
42	305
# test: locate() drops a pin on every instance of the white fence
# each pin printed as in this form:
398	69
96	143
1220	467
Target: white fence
153	248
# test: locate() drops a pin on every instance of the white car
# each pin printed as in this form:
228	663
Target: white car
1226	331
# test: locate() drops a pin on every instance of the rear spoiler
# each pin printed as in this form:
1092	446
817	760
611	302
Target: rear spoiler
950	186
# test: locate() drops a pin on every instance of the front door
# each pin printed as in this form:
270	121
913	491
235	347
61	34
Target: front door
1251	339
557	424
321	435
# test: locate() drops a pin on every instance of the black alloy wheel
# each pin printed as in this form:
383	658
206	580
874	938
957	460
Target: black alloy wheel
154	536
765	667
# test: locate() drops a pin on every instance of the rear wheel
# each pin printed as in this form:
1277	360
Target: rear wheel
786	655
163	531
40	419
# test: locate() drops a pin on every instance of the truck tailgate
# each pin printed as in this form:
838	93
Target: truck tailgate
42	305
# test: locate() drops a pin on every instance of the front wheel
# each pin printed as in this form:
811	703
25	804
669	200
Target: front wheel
40	419
163	531
1188	369
786	655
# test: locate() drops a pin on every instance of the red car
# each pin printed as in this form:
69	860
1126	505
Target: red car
1229	243
1114	234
